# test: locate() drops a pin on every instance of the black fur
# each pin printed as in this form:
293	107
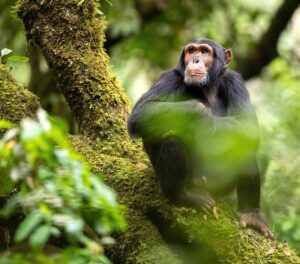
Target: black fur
171	99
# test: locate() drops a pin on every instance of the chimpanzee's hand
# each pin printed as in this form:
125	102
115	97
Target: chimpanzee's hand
204	111
201	201
202	107
255	221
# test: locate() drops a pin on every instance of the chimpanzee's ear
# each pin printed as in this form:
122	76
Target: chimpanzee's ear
228	56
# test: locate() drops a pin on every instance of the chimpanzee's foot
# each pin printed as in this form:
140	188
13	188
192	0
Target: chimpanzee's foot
255	221
201	201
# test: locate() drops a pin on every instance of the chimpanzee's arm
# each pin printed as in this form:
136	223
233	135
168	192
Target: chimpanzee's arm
159	111
242	117
235	97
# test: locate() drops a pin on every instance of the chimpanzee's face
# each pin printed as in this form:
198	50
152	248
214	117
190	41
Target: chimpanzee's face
198	59
202	61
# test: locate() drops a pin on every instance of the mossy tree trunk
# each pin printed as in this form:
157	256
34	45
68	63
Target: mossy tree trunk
71	39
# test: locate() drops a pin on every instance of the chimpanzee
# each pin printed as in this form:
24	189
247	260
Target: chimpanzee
194	100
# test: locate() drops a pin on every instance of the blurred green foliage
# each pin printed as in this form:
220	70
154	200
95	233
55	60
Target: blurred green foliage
57	192
278	111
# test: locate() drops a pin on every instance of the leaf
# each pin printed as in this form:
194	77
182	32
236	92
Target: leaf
40	236
215	211
55	231
30	129
5	124
6	184
5	52
80	2
74	225
109	2
95	248
17	173
271	251
11	206
30	223
14	58
10	134
99	12
43	119
105	191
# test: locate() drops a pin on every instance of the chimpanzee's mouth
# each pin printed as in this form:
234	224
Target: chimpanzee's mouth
195	75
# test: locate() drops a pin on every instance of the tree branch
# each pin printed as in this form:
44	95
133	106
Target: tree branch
16	102
266	49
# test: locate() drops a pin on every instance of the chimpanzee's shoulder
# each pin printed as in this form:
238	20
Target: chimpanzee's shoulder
232	76
232	90
169	81
233	83
171	76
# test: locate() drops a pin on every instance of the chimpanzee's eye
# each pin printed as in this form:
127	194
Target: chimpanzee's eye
191	49
204	50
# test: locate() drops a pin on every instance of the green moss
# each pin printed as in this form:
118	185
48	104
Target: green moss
144	243
16	101
230	243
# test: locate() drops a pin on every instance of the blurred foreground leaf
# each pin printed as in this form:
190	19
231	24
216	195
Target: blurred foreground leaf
57	191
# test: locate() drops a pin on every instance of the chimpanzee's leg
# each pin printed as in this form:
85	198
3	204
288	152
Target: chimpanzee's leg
171	166
248	188
173	169
248	192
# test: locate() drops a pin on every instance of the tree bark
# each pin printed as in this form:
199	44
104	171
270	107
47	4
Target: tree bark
71	39
15	101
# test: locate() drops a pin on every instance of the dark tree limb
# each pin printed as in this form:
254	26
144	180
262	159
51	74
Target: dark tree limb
150	9
266	49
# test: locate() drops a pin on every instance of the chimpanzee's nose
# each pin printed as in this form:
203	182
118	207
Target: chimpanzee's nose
196	60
